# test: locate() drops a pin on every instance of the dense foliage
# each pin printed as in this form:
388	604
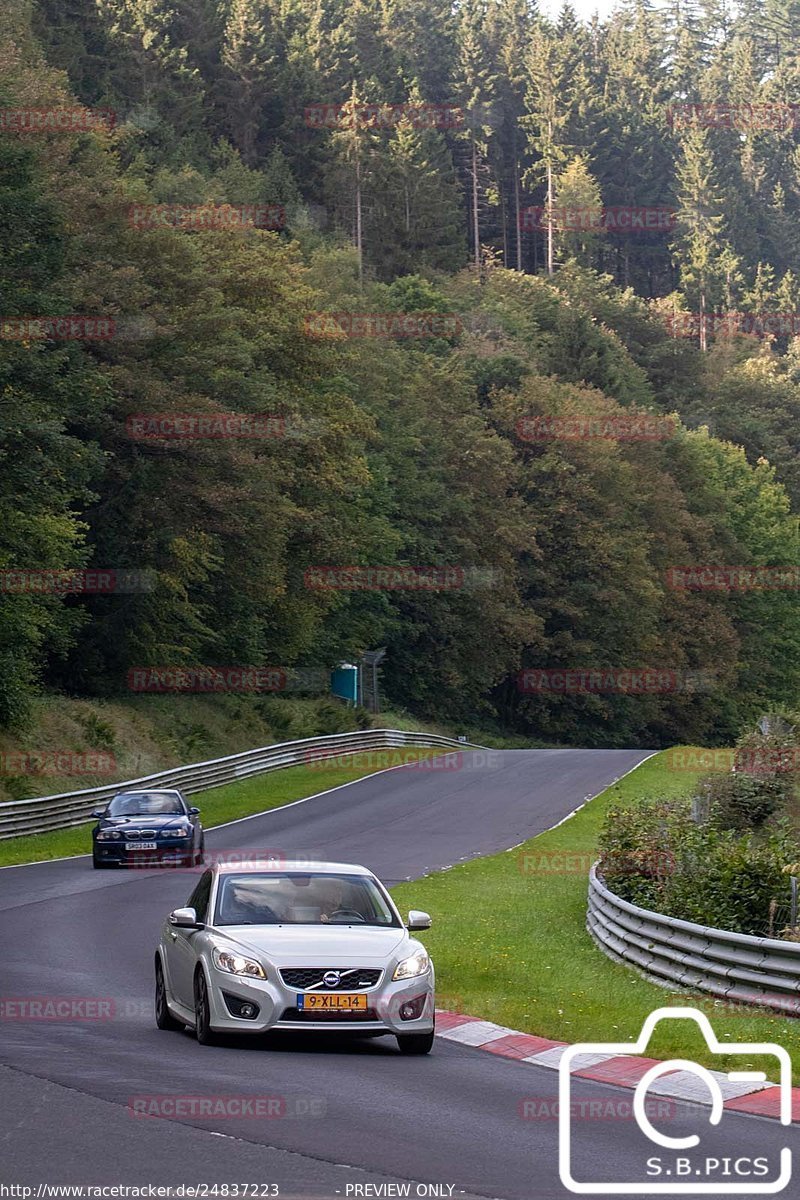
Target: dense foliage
655	856
723	859
399	451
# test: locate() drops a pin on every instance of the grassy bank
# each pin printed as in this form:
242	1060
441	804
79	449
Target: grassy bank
227	803
138	735
510	943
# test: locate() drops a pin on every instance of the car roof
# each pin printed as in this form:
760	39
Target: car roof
243	867
148	792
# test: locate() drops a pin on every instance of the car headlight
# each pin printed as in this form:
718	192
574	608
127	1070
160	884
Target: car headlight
179	831
237	964
417	964
108	835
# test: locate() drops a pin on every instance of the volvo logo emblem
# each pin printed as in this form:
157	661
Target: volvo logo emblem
331	978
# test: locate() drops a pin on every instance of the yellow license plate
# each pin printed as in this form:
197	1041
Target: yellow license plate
331	1002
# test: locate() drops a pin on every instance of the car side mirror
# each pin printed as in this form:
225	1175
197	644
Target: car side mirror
99	812
193	812
184	918
418	920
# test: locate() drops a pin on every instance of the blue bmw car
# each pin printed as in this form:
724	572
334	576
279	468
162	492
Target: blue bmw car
148	828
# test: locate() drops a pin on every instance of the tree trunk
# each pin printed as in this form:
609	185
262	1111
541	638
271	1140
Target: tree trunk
476	233
549	217
359	244
516	210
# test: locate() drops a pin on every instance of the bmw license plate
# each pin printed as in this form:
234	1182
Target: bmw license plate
141	846
331	1002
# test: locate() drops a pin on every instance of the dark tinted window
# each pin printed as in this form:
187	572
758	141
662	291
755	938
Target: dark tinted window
200	897
288	898
150	804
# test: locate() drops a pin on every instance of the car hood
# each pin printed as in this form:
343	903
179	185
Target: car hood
159	821
316	945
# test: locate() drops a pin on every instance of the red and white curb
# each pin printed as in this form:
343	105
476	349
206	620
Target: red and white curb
624	1070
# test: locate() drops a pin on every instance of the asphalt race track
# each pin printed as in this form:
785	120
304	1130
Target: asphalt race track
356	1113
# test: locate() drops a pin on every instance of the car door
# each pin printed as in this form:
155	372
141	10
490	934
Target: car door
197	829
181	953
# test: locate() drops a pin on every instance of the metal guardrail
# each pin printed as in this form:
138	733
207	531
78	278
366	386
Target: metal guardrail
748	970
19	817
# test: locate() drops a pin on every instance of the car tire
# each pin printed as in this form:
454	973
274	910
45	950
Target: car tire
415	1043
164	1018
202	1011
99	864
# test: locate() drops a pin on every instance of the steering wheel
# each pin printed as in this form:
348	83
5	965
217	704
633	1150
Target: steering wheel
346	912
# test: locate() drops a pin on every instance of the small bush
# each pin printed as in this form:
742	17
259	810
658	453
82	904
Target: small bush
741	802
98	731
637	849
20	787
333	717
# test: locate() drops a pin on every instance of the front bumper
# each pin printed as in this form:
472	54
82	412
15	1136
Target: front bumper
168	852
277	1006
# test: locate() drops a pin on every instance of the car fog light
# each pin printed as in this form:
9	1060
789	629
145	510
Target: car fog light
245	1009
412	1009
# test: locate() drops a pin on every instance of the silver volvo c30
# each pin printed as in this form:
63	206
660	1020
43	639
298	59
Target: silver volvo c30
298	946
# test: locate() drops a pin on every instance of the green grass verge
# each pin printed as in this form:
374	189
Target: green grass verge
510	945
218	805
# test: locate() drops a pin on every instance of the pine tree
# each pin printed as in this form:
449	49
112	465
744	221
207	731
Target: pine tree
509	27
422	36
547	115
151	67
577	189
475	87
417	214
251	56
698	239
355	149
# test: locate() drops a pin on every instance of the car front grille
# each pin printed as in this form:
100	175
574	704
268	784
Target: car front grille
147	834
311	978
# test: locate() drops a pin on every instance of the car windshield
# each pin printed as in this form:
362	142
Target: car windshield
291	898
148	804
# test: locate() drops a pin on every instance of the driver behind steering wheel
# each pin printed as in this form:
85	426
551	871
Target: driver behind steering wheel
338	899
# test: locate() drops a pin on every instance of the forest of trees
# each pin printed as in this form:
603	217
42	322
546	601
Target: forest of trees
405	450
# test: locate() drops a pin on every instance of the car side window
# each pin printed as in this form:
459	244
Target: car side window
200	897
